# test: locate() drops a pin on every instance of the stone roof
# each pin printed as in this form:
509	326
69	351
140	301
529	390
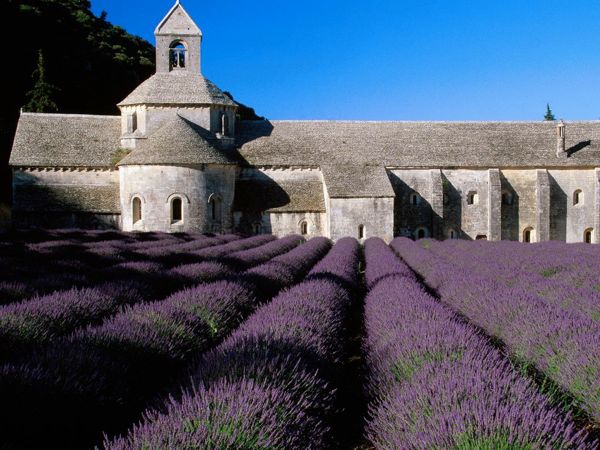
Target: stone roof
177	88
65	140
345	181
267	195
417	144
179	142
67	198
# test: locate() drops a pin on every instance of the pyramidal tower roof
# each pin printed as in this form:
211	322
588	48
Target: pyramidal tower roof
177	21
178	80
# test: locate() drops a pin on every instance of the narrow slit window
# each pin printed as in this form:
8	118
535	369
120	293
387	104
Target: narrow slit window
304	227
472	198
214	205
137	209
578	197
361	231
176	210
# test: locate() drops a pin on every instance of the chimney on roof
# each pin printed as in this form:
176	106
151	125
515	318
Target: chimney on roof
561	148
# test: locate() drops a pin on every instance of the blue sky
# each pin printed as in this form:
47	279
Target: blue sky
394	60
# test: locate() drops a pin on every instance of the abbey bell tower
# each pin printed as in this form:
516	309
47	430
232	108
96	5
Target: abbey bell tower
178	41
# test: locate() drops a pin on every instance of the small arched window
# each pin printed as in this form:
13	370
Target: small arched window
224	124
136	209
472	198
481	237
507	198
421	233
578	197
414	199
176	210
452	234
256	228
588	235
528	235
361	231
214	207
304	227
177	55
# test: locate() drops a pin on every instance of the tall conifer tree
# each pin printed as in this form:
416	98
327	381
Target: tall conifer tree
40	96
549	114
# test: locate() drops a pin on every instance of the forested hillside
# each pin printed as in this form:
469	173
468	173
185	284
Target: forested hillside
92	63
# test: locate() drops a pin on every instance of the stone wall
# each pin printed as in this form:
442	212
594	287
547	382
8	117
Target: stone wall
66	198
568	221
375	214
469	220
519	210
157	186
413	210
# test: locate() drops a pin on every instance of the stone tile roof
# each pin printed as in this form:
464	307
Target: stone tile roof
267	195
180	142
177	88
345	181
65	140
67	198
417	144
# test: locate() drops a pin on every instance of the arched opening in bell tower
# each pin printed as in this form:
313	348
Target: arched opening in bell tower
177	55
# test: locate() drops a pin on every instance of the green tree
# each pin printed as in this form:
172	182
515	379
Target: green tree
549	114
40	96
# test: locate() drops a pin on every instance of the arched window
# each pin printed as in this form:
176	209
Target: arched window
414	199
588	235
137	209
452	234
507	198
214	208
361	231
578	197
256	228
528	235
224	124
304	227
177	55
176	210
472	198
421	233
481	237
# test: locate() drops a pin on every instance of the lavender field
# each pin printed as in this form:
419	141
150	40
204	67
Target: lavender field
116	340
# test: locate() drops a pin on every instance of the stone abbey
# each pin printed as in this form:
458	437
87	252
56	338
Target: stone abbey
178	159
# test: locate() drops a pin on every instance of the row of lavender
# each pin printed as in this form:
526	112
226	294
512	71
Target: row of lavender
81	382
435	382
40	320
556	339
272	384
564	276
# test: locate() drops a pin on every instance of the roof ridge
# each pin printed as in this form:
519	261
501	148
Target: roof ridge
81	116
523	122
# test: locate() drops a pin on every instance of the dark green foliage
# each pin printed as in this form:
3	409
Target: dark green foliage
41	95
549	114
93	63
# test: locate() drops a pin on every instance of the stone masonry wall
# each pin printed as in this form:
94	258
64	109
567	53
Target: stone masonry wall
376	214
158	185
